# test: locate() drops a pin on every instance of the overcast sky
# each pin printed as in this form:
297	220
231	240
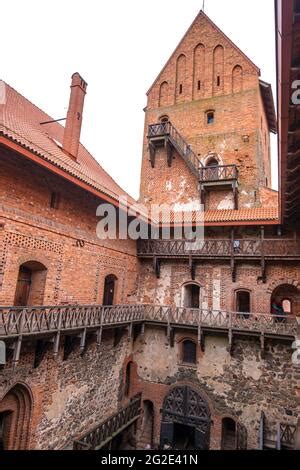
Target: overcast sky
119	47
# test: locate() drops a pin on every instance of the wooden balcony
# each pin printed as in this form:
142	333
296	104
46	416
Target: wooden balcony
221	175
102	434
51	323
221	249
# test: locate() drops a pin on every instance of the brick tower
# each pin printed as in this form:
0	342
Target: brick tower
207	126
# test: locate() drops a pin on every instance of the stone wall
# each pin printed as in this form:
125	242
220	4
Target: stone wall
240	385
71	396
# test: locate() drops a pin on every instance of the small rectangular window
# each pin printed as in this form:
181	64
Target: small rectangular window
180	89
54	200
199	85
218	80
210	118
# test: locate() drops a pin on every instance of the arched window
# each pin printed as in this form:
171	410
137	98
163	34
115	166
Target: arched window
31	282
228	434
243	301
164	118
109	289
128	378
287	306
212	162
191	296
189	352
285	299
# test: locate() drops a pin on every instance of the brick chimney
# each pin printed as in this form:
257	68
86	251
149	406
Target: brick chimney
74	116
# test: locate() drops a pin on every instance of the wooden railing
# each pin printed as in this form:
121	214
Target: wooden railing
28	321
218	173
277	248
281	437
223	320
106	431
166	129
15	321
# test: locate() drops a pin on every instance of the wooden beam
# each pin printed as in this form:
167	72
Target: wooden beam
169	149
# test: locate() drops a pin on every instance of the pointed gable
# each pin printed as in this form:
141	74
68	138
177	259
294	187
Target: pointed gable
203	52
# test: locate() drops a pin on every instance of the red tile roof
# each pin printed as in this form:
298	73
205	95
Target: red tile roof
223	216
20	121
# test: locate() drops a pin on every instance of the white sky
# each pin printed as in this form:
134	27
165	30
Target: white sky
119	47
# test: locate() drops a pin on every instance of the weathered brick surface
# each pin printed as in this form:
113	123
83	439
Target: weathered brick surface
238	386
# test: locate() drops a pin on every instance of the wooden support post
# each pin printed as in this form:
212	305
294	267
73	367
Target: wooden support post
169	149
57	337
130	326
99	336
230	341
56	344
156	266
278	437
235	196
263	261
262	344
202	194
232	261
82	341
152	154
17	351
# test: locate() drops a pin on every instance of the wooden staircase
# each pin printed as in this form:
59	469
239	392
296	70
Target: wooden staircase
165	134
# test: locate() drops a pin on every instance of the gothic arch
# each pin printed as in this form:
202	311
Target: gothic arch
237	79
199	71
180	78
163	94
218	70
15	412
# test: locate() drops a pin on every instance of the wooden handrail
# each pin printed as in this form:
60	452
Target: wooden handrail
251	247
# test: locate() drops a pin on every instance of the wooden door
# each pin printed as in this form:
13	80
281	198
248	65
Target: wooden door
23	287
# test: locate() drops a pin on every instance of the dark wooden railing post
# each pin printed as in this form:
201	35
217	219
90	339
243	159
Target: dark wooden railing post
262	250
57	336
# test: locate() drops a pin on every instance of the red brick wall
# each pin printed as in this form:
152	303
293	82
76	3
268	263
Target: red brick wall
32	231
238	112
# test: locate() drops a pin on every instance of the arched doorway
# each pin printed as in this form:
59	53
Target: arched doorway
147	424
185	420
31	283
15	416
243	302
229	437
109	289
285	300
191	295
